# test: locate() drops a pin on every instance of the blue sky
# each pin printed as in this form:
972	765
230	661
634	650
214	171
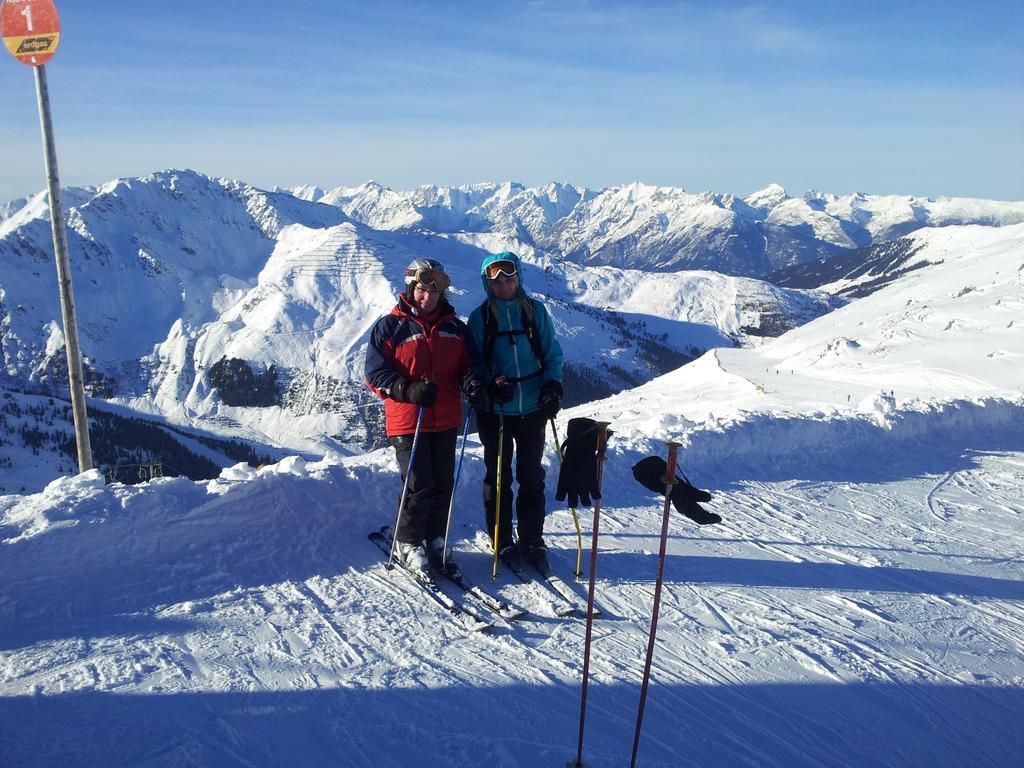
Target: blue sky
922	98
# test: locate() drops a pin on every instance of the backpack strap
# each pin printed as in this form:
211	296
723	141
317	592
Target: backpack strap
491	333
532	334
490	328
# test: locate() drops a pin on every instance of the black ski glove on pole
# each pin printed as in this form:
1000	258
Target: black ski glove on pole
474	390
650	473
501	390
577	477
417	392
550	400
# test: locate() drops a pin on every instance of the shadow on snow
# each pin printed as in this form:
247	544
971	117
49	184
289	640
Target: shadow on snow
750	572
783	725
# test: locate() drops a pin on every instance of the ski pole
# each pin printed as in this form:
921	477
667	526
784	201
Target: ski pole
455	484
575	517
602	441
405	488
497	499
670	480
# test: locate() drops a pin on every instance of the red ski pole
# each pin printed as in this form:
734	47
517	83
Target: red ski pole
670	480
602	441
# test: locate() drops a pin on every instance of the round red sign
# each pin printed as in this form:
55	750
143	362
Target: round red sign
30	29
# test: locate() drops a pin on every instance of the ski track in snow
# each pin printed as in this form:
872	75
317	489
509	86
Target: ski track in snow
821	624
861	604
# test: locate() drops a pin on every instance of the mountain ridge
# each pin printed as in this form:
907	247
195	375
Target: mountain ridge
189	286
663	228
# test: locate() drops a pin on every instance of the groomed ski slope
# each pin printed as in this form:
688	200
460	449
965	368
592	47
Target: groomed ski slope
862	604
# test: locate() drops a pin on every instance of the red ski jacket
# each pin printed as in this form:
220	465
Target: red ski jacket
403	345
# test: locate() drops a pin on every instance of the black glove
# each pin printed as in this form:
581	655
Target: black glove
650	473
417	392
695	511
500	390
577	477
474	390
550	400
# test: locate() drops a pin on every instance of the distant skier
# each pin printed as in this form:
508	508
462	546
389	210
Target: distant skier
517	362
416	359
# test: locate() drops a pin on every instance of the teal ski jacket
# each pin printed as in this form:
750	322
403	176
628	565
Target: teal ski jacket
513	355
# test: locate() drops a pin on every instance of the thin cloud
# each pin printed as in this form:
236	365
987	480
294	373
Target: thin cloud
765	31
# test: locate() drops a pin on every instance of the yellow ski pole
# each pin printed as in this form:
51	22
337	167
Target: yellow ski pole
497	499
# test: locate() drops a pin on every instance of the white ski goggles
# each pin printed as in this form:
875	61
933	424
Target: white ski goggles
499	268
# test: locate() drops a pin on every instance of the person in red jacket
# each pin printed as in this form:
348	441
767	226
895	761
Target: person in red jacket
417	359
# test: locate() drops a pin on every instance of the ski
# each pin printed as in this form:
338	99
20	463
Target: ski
454	574
501	607
459	612
560	606
568	593
541	588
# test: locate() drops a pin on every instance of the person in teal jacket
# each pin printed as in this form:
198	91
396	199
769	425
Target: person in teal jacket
516	378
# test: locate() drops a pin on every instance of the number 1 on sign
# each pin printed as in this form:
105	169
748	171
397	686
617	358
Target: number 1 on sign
27	13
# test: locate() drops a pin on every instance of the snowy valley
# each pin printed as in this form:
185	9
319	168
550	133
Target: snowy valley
862	602
239	314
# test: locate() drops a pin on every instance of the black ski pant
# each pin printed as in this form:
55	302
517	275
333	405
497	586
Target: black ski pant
431	477
526	435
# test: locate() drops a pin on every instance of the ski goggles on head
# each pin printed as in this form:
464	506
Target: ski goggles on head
499	268
430	279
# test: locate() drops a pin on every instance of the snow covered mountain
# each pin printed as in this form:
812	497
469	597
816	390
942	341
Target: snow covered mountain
666	228
855	273
928	348
241	312
860	604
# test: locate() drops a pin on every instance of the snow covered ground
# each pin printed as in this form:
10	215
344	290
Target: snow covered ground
861	604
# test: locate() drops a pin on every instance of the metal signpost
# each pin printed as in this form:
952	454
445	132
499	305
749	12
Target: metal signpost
31	32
